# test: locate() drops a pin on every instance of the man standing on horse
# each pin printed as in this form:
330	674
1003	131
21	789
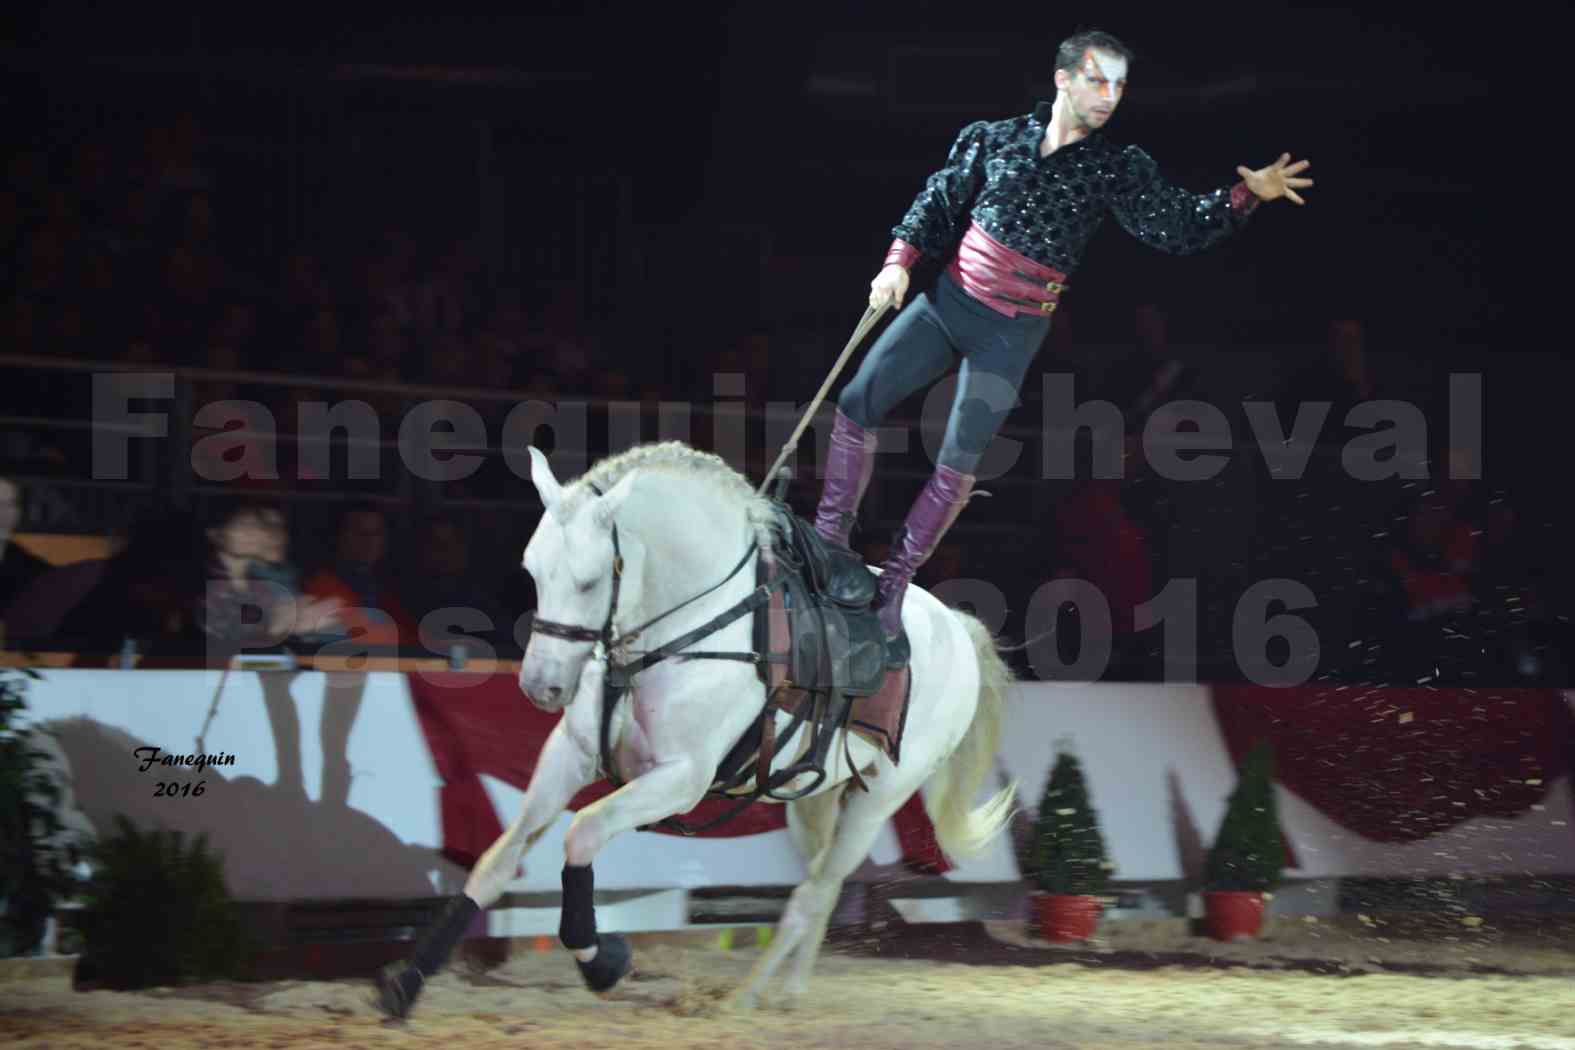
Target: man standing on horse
1013	210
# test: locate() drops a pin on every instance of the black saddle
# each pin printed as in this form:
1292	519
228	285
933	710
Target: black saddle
818	647
838	643
835	653
833	572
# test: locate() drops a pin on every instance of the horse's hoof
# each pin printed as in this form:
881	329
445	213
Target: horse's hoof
87	975
613	961
742	1001
397	988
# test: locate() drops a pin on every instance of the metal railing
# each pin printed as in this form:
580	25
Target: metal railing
1268	519
766	428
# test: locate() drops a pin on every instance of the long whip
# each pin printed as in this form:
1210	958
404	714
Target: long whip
871	315
213	709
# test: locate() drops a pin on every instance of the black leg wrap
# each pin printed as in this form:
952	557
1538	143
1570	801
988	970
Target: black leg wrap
399	984
612	962
435	948
577	920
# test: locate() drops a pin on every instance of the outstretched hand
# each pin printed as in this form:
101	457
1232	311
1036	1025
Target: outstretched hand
1276	180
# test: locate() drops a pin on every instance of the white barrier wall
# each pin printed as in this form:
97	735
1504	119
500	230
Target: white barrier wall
1141	748
294	826
1159	774
281	842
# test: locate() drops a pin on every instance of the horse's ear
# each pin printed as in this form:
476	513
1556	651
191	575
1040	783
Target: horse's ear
541	475
606	506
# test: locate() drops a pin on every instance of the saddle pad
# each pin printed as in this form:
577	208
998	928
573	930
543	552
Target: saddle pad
878	717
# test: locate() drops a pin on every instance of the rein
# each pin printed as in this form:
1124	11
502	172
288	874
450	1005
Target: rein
620	674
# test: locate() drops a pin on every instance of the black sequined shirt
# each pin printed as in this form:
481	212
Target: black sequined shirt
1048	208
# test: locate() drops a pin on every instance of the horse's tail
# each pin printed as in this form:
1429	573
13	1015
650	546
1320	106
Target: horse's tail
960	828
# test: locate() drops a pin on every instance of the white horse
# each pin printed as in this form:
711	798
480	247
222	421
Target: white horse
642	534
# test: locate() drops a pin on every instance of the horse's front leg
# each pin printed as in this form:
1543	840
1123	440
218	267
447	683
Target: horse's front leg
662	791
561	771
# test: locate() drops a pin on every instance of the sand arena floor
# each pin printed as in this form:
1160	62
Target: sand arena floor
1122	996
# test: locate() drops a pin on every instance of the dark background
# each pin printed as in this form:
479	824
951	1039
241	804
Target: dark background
817	122
688	174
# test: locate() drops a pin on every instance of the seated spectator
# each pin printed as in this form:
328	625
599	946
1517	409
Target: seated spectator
38	610
19	567
251	599
372	612
1439	556
144	593
445	579
36	613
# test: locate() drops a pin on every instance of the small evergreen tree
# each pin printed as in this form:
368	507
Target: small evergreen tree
158	912
36	871
1249	851
1069	851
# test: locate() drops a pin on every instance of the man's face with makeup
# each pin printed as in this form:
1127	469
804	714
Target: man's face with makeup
1095	90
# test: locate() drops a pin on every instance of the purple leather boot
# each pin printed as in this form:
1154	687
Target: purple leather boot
943	498
850	460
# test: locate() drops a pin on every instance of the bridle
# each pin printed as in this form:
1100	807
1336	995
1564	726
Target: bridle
620	673
609	643
573	633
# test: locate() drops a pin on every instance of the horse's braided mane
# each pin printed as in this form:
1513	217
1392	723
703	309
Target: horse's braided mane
680	460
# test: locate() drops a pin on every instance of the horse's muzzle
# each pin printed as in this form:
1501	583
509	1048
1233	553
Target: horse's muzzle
547	690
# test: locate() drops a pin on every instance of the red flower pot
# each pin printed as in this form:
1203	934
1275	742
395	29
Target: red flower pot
1232	914
1063	918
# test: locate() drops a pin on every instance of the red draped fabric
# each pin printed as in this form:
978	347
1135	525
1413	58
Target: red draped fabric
921	853
1400	764
477	724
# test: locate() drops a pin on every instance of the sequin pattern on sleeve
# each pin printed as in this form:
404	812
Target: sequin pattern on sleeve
939	214
1167	217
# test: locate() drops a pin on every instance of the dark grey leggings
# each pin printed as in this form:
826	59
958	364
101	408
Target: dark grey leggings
922	344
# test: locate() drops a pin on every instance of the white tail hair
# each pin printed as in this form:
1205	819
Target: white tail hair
961	829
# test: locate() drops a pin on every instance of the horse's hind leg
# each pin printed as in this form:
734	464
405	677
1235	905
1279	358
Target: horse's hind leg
803	925
812	823
820	830
859	825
